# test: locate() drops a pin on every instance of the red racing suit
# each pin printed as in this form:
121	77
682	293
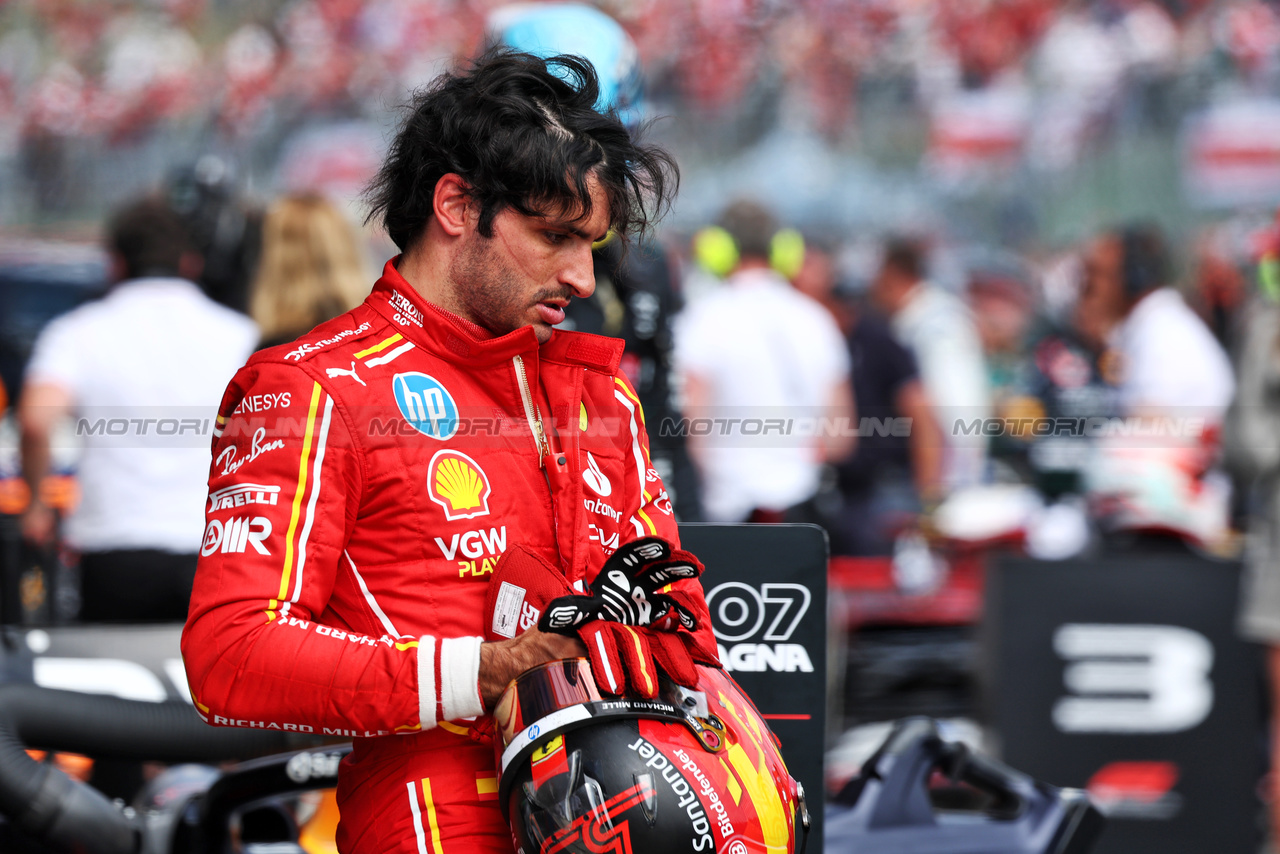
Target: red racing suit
365	480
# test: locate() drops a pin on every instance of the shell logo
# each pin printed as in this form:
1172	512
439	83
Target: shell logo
458	484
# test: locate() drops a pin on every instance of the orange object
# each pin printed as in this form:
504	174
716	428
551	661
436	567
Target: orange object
60	491
74	765
317	836
15	495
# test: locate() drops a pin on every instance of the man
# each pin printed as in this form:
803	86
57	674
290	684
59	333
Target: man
1173	379
368	477
757	350
152	358
939	331
1169	359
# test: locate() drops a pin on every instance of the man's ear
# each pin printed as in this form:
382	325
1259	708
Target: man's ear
452	204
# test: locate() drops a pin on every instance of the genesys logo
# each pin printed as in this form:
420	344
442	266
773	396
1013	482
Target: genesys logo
1136	790
264	402
459	485
236	534
426	404
754	626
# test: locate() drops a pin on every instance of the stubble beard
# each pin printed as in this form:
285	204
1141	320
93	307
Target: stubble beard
487	291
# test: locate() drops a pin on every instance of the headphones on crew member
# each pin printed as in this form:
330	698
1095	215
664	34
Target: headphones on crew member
715	251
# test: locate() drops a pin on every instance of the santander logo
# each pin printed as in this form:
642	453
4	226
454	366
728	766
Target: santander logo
595	478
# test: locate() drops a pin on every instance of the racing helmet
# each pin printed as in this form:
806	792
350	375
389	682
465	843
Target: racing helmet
558	28
692	769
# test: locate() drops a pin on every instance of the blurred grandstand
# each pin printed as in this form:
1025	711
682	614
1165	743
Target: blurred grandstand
1042	117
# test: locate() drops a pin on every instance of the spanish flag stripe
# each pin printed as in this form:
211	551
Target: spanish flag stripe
641	658
432	822
297	496
626	389
653	529
638	453
379	347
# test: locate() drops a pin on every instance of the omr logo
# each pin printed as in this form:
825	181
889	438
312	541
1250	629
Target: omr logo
426	404
458	484
1138	790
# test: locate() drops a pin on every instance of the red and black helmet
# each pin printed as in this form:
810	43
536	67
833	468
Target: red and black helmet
690	770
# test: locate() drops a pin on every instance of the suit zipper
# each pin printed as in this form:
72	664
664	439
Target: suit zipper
532	412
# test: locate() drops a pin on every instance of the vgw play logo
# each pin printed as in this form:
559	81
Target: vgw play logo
753	626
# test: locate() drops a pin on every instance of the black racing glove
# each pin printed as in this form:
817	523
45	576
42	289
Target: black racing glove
626	591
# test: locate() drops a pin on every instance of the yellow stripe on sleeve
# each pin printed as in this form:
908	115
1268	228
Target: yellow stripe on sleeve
626	389
379	347
647	521
431	815
302	488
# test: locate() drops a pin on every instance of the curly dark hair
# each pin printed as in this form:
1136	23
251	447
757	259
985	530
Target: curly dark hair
524	133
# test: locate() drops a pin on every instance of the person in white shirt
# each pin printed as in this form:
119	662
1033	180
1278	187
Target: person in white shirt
939	331
142	370
1175	383
765	379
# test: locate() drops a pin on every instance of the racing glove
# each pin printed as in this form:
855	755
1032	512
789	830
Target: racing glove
652	630
626	591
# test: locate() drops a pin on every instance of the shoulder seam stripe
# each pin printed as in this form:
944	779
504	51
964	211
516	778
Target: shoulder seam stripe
390	357
380	346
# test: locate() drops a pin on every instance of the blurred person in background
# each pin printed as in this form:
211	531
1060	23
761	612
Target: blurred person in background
225	227
1004	315
1169	359
153	354
893	475
1173	377
312	269
757	349
939	331
1253	451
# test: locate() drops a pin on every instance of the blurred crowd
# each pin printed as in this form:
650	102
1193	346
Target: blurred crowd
1039	76
1051	402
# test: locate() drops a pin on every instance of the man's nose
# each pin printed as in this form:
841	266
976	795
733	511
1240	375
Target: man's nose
580	272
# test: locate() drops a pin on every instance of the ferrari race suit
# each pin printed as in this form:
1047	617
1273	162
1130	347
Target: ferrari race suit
365	480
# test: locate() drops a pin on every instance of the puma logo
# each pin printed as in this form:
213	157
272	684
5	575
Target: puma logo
343	372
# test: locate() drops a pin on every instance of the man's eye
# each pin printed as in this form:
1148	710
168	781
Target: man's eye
555	238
